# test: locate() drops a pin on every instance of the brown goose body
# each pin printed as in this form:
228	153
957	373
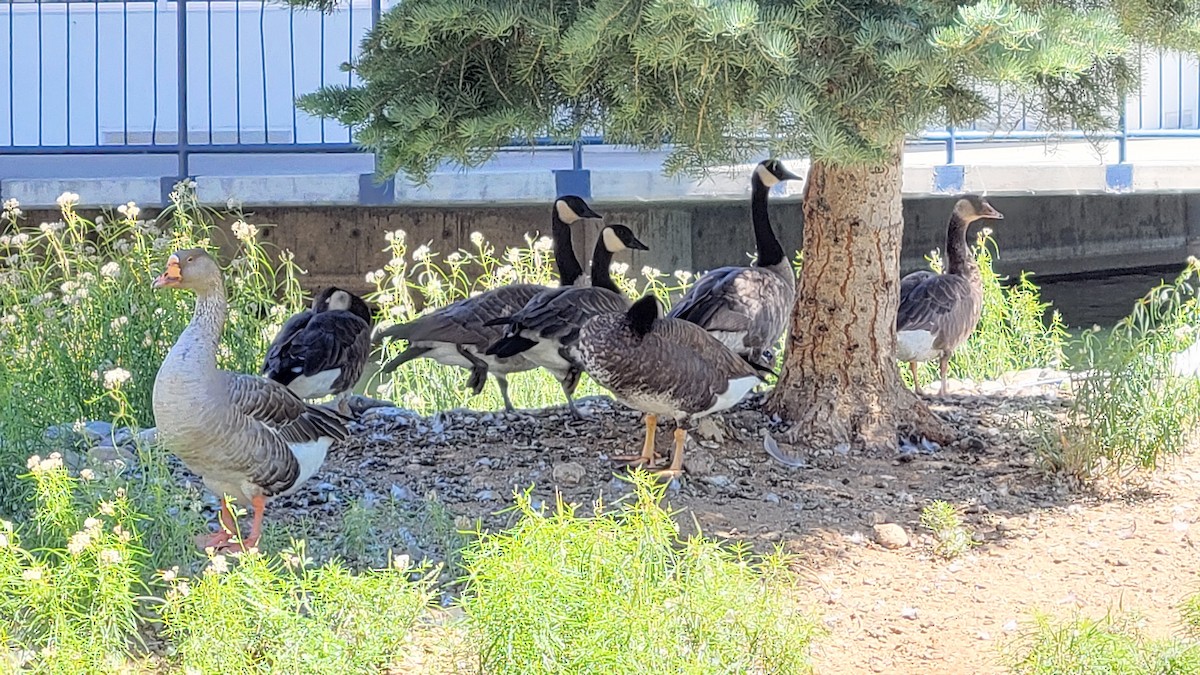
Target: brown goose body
747	307
544	329
663	367
459	333
938	312
245	436
323	350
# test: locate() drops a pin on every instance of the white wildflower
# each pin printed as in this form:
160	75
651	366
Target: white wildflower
54	461
684	276
454	258
20	239
619	268
116	377
191	185
401	562
110	556
543	244
422	253
32	574
108	508
477	238
170	575
118	323
3	540
87	474
506	273
78	542
244	231
384	299
375	277
219	565
130	210
396	263
51	228
433	286
395	237
67	200
11	203
512	255
92	524
8	319
111	270
5	240
233	204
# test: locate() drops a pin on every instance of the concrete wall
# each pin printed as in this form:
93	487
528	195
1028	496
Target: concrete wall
1048	235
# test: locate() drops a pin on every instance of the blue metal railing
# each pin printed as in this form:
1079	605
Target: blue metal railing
70	92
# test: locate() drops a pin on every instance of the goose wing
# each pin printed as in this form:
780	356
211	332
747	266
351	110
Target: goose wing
268	420
560	312
334	339
464	322
941	304
278	363
753	302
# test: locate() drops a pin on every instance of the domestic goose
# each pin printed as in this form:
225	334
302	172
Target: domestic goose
747	307
548	324
938	312
663	367
322	351
247	437
458	334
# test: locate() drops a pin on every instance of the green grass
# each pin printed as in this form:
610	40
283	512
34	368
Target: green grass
1109	646
617	592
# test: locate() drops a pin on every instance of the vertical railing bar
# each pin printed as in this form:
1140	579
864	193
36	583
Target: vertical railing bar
1123	136
125	72
349	52
1160	89
1179	102
67	14
12	92
262	48
237	68
208	75
321	69
96	64
41	68
292	55
951	143
181	63
154	74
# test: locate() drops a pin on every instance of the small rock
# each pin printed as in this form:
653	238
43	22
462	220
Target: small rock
111	458
909	613
771	497
402	494
719	480
569	474
486	496
710	430
890	535
147	437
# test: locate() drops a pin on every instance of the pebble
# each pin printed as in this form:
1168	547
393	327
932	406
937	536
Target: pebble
890	535
568	474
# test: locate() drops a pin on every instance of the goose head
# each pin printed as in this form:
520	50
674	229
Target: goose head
970	208
192	269
334	299
570	209
770	172
617	238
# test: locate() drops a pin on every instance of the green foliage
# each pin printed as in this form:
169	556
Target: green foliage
1190	610
262	615
617	591
950	537
1111	645
1132	409
719	81
77	305
1013	332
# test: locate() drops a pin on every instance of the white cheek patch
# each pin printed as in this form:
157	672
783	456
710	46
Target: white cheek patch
612	242
768	179
565	212
339	301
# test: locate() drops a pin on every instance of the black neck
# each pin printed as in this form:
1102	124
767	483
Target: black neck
958	254
601	262
769	250
569	269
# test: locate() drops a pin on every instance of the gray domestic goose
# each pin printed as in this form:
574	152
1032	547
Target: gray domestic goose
322	351
747	307
663	367
458	334
245	436
544	329
938	312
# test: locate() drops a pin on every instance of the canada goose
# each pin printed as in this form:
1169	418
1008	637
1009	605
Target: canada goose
664	368
548	324
747	307
246	436
458	334
938	312
322	351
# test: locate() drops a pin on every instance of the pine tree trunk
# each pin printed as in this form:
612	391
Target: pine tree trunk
840	383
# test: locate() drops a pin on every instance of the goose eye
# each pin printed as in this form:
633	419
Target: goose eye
190	258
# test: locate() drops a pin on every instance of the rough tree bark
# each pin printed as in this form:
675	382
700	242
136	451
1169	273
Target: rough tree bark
840	383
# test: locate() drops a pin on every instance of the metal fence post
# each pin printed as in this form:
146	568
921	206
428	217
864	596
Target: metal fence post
181	99
949	177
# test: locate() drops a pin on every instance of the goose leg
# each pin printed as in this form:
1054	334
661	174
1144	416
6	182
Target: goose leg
259	503
912	368
648	456
502	382
569	382
226	528
676	468
943	364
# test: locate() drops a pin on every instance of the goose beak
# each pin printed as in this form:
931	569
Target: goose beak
786	174
990	211
589	213
170	278
637	244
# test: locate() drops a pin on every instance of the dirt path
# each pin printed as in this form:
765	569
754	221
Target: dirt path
1044	547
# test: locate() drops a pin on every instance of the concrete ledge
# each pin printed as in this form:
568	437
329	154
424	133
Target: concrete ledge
321	190
479	188
35	193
